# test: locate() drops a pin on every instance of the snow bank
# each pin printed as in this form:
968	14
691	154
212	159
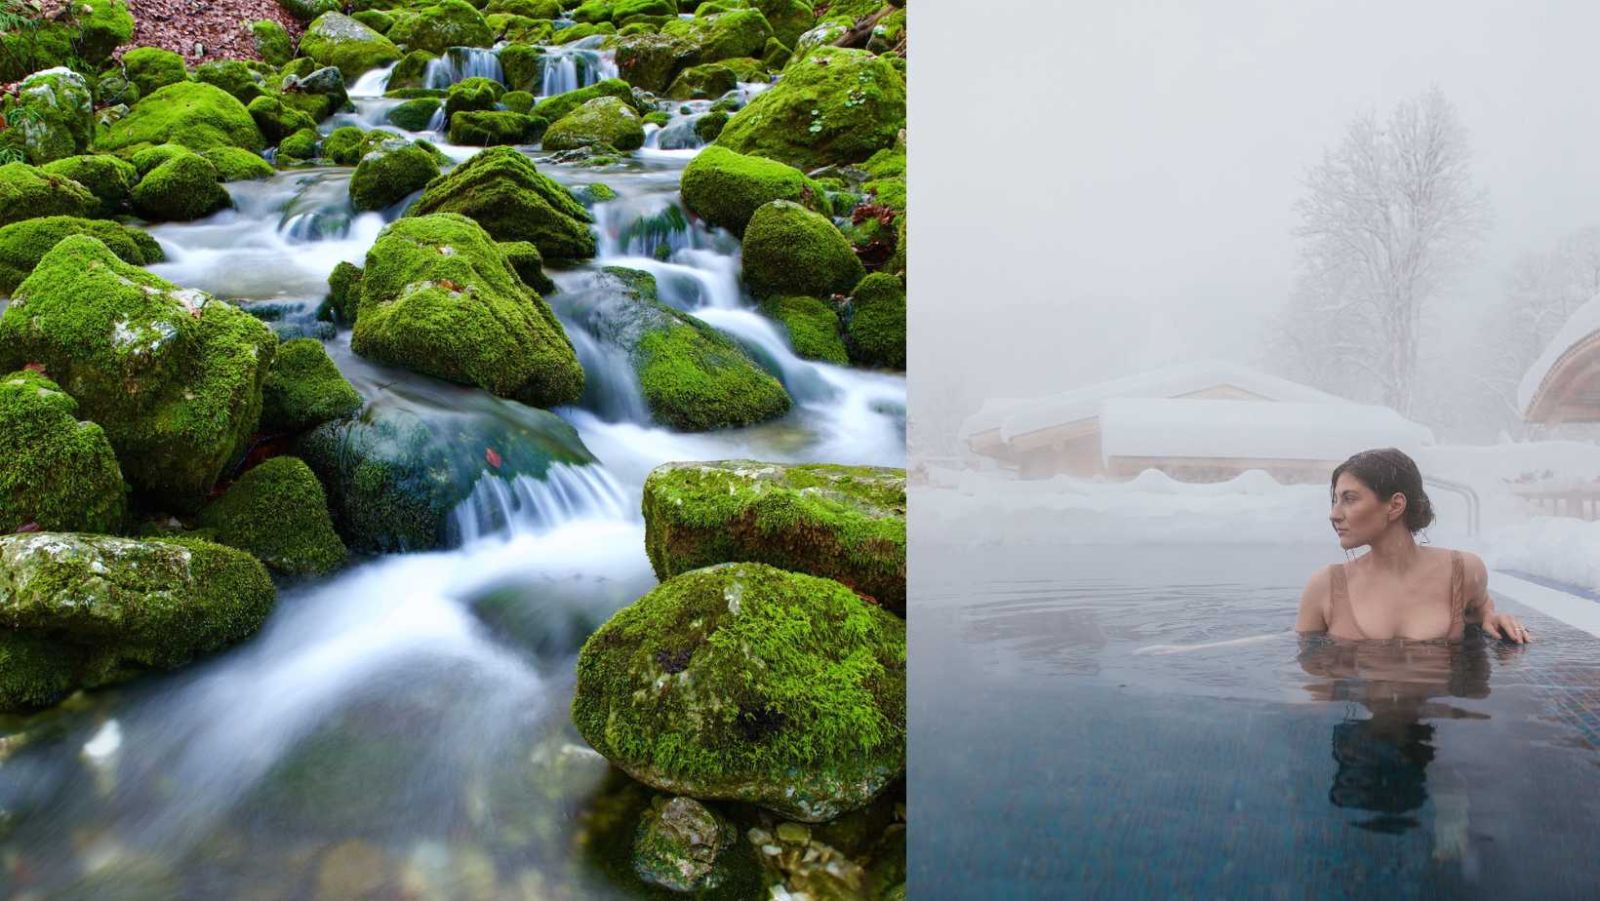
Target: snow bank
1559	548
1234	429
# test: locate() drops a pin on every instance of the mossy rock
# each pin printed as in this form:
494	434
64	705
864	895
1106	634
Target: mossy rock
308	10
553	108
319	93
604	120
519	63
112	87
198	116
238	164
27	192
337	40
146	160
54	110
277	120
574	33
438	297
678	844
304	389
528	263
414	115
94	609
375	19
184	188
876	331
390	172
502	191
81	35
278	512
172	375
474	93
234	76
437	28
271	41
834	105
411	71
518	101
726	188
650	61
703	82
789	250
344	291
789	18
152	68
495	128
709	126
745	682
847	523
110	179
57	474
304	144
23	244
812	326
530	9
343	145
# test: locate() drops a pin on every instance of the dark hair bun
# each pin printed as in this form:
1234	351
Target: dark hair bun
1389	471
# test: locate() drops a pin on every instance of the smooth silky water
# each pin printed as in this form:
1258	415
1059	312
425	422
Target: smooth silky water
403	726
1061	747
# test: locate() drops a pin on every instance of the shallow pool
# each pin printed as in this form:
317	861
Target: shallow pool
1056	752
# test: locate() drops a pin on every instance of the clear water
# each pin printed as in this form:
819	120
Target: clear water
1055	755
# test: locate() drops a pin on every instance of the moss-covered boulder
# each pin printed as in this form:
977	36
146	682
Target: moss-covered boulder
496	128
789	250
302	145
411	71
502	191
847	523
319	93
834	105
278	512
375	19
652	61
152	68
276	119
726	188
185	187
271	41
528	263
389	172
678	843
709	81
414	114
789	18
150	157
744	682
474	93
344	292
238	164
343	145
529	9
812	326
27	192
707	127
304	389
80	34
52	116
198	116
110	179
172	375
23	244
553	108
437	28
88	610
234	76
57	474
876	330
438	297
337	40
604	120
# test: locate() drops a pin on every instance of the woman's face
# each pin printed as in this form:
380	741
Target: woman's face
1359	516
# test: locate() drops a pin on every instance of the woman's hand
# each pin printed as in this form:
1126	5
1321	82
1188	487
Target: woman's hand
1504	625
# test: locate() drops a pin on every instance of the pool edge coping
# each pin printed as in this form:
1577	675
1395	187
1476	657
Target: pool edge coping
1579	613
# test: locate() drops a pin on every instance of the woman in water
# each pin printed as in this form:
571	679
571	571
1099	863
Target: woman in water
1398	589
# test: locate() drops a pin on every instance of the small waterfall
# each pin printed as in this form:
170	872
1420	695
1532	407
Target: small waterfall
611	387
372	82
575	66
653	226
758	335
461	63
525	505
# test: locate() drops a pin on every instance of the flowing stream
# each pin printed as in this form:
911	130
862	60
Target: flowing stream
402	727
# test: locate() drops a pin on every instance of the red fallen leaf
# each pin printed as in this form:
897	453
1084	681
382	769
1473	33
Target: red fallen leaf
492	457
36	367
29	527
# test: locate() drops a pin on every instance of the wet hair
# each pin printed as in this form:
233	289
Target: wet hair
1389	472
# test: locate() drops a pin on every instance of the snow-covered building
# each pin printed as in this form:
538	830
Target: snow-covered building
1563	385
1198	421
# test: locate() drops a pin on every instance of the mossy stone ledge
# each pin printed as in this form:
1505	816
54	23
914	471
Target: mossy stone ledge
56	473
277	511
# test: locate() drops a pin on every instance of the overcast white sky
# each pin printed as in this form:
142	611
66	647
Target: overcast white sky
1102	187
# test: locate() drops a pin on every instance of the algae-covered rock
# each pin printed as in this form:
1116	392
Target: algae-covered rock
335	39
110	179
389	172
172	375
277	120
678	845
343	145
876	332
528	263
56	473
812	326
238	164
553	108
437	28
726	188
411	71
414	114
496	128
834	105
302	145
744	682
502	191
271	41
152	68
183	188
52	115
27	192
150	157
789	250
318	93
604	120
23	244
518	101
701	82
93	609
438	297
198	116
234	76
474	93
278	512
847	523
344	292
304	389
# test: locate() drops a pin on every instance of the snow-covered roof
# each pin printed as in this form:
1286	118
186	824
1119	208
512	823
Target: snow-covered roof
1584	322
990	415
1242	429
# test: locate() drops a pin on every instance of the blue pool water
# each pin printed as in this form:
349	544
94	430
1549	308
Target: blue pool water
1050	757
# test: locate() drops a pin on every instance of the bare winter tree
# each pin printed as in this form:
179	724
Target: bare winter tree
1388	216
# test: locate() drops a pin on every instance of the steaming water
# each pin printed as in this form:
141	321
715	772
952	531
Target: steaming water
403	726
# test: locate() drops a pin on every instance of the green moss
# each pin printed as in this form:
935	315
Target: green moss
111	87
181	189
650	61
519	63
108	178
147	159
575	33
593	193
678	843
452	23
335	39
528	263
343	145
604	120
789	18
344	291
553	108
495	128
703	82
775	55
473	94
748	683
276	120
302	145
56	473
389	172
846	523
411	70
502	191
812	326
35	671
414	115
518	101
23	244
278	512
27	192
438	297
375	19
834	105
234	76
237	164
789	250
271	41
198	116
726	188
532	9
710	125
307	10
876	331
53	116
152	68
304	389
81	35
298	67
172	375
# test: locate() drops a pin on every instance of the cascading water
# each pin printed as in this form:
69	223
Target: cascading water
574	66
461	63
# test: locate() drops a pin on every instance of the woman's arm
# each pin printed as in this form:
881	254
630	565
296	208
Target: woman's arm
1480	605
1314	602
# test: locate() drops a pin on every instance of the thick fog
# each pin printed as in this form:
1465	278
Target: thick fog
1104	188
